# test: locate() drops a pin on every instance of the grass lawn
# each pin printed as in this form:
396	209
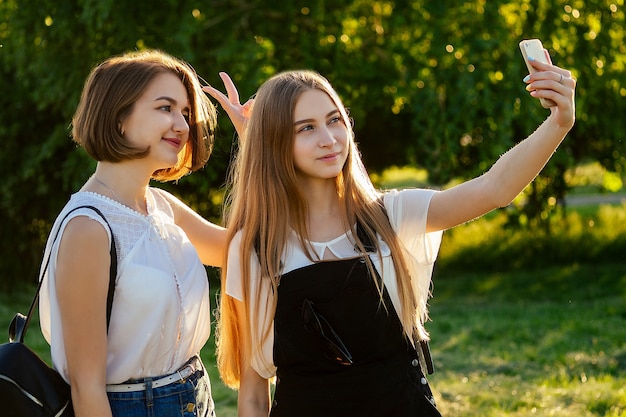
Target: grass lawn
546	342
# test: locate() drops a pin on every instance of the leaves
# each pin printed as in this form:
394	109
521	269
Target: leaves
434	84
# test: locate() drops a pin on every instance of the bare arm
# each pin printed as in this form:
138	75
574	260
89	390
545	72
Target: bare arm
82	279
519	166
253	399
208	238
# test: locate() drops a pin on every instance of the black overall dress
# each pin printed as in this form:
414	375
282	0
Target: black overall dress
384	378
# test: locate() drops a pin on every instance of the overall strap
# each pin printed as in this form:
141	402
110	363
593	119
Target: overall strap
19	325
365	239
370	247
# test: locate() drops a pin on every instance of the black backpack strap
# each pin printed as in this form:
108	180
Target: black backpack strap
19	325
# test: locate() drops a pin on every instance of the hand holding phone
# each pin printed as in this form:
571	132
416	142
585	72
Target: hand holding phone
533	48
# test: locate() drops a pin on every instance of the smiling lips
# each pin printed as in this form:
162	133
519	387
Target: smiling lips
174	141
329	156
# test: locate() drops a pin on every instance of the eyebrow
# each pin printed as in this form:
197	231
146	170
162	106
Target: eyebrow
166	98
299	122
171	100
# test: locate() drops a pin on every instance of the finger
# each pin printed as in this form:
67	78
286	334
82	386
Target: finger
542	66
231	90
216	94
557	79
566	78
247	108
556	83
550	98
547	72
559	93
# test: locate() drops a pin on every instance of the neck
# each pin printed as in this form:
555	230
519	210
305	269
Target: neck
325	216
119	185
319	193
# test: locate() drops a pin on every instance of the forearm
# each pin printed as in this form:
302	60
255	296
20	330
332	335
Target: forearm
254	395
519	166
90	401
249	408
208	238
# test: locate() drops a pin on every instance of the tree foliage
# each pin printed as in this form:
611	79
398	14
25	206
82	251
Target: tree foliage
434	84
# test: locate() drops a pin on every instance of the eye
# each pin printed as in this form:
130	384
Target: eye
334	120
305	128
166	108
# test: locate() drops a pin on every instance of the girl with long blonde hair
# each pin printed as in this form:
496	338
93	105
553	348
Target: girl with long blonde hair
326	283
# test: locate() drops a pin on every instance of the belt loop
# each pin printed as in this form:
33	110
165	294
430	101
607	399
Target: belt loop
149	396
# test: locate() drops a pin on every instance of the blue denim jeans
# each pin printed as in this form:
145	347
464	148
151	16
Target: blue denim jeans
190	398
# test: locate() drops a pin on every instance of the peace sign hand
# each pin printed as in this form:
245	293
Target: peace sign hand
237	112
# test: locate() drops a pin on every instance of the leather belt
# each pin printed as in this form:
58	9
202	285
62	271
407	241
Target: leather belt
182	374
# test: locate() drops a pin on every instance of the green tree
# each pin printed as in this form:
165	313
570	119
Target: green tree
434	84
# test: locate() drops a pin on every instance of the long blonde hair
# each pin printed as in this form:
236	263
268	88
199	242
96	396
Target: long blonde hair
264	203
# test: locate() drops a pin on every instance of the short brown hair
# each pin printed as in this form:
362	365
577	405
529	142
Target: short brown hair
111	90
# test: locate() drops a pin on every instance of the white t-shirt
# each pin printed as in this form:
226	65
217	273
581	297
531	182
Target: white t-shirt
407	211
161	314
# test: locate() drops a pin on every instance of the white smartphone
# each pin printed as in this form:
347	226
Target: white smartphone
533	48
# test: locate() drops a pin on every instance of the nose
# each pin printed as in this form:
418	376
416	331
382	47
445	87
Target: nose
181	125
327	139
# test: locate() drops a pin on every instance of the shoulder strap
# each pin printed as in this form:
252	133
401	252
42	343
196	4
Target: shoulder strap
365	239
369	247
19	325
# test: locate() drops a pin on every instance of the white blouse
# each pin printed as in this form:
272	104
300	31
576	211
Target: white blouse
161	306
407	211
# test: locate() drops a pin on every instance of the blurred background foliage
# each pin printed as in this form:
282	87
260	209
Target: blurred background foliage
435	85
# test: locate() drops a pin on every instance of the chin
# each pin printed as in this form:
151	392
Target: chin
170	161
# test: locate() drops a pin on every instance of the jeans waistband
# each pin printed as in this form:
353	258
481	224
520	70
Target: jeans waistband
190	368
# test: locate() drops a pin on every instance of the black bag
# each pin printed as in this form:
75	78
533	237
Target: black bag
28	386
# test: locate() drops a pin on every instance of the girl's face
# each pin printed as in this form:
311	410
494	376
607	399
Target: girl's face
321	137
160	120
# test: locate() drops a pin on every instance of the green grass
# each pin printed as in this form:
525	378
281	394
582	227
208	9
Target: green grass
550	342
547	342
527	323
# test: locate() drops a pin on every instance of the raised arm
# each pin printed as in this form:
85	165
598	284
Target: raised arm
519	166
208	238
